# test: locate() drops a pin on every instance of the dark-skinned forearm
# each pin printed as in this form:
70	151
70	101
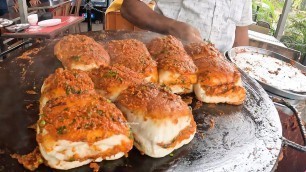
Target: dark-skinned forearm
142	16
241	36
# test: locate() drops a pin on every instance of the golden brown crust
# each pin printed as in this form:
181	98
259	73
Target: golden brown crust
202	49
108	78
183	135
171	56
132	54
86	117
183	81
217	76
221	90
216	71
155	102
65	82
235	93
176	62
164	44
74	50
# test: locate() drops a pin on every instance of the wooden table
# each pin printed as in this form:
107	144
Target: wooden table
42	32
48	5
46	32
15	17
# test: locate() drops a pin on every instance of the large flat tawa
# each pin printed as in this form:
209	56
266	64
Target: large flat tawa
243	138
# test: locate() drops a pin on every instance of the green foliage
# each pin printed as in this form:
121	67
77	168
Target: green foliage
296	4
299	4
269	11
265	12
295	32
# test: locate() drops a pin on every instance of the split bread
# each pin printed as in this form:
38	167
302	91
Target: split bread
160	121
64	82
81	128
110	81
134	55
80	52
175	67
219	81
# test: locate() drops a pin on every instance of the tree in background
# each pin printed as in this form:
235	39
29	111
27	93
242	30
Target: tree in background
295	32
267	11
299	4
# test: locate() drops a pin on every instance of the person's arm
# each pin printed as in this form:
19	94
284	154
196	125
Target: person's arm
142	16
241	36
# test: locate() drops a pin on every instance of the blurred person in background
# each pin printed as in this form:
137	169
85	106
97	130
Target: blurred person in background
3	7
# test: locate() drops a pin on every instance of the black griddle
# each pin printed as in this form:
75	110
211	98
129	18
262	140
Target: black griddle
244	138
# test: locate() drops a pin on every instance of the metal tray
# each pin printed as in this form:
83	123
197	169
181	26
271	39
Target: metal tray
17	27
5	22
244	138
270	88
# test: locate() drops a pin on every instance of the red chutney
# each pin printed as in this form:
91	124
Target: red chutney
202	49
170	55
216	71
164	44
85	117
80	50
155	102
65	82
108	78
132	54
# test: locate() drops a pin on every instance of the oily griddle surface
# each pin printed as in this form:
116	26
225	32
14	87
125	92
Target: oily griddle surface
243	138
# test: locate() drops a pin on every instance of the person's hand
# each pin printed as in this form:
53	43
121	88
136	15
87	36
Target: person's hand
16	6
185	32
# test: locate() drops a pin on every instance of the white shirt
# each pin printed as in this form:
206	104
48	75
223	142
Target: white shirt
215	19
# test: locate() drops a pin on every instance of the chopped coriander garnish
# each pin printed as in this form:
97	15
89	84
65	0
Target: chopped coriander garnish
73	121
68	90
113	118
120	79
111	73
61	130
88	126
100	112
75	58
75	74
130	134
71	159
78	92
42	123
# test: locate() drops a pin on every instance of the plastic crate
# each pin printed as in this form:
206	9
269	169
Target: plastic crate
114	21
